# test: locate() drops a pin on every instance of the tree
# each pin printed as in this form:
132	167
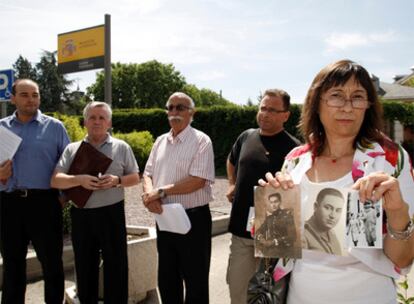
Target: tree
53	86
249	102
204	97
192	91
24	69
143	85
156	82
260	97
148	85
211	98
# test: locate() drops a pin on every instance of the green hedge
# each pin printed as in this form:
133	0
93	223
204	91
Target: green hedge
224	123
141	143
404	112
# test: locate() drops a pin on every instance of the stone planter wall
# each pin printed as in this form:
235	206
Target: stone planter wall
142	265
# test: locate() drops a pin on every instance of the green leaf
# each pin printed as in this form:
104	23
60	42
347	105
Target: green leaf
403	284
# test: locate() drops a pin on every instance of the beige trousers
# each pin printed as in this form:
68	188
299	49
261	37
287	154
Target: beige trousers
242	265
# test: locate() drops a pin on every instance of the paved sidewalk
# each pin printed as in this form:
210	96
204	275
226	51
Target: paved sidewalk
136	214
219	293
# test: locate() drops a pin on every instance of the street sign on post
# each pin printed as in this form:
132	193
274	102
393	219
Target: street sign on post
81	50
6	82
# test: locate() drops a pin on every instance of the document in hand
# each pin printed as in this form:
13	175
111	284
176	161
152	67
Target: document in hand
173	219
88	160
10	142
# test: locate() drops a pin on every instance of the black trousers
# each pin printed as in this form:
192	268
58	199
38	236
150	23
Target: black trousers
186	259
100	231
36	216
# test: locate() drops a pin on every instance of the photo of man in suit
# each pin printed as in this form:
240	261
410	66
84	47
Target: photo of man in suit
318	233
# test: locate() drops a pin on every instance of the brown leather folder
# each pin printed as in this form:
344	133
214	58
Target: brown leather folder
88	160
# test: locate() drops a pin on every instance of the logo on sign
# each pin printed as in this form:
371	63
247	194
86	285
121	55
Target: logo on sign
6	82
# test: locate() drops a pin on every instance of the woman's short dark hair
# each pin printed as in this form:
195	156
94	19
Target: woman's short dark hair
338	73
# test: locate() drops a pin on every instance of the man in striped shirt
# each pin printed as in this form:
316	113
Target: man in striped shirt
180	169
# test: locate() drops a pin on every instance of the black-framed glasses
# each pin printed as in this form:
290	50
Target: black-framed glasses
271	110
338	101
179	107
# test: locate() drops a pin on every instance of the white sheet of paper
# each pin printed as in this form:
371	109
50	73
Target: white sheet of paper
173	219
250	218
9	144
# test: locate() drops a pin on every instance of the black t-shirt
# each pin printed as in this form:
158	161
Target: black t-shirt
253	155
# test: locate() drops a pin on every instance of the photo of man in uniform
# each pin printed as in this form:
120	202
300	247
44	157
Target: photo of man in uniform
277	235
353	229
363	224
369	218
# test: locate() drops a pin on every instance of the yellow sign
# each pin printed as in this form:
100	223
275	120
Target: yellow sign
82	44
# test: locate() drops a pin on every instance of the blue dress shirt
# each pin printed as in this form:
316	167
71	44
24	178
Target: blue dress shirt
43	140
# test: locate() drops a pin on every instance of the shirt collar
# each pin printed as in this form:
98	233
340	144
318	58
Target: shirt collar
325	236
37	117
108	140
181	136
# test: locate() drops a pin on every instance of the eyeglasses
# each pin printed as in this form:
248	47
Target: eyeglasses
271	110
337	100
179	107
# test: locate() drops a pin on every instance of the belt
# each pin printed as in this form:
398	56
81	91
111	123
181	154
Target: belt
28	192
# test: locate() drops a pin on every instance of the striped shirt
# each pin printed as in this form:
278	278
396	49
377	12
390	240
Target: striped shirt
190	153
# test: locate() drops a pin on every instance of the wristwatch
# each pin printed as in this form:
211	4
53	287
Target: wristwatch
119	182
161	193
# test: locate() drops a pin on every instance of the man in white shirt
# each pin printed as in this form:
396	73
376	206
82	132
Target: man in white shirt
180	169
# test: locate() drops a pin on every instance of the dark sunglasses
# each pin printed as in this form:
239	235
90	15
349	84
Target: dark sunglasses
179	108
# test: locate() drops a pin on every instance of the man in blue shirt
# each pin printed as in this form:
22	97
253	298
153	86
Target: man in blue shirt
30	209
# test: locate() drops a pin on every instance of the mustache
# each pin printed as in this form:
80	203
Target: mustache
179	118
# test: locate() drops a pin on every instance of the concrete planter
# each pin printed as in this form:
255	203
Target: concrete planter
34	269
142	264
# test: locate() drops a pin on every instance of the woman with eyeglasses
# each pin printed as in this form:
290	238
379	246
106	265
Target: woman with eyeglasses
341	123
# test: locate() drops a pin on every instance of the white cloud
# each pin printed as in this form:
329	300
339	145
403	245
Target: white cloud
210	75
346	41
385	37
142	7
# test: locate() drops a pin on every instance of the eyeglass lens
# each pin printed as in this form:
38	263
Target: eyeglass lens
179	107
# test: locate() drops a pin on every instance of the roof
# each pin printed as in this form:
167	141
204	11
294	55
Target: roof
395	91
402	79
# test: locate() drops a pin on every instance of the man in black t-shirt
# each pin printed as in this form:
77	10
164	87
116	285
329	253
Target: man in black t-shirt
255	152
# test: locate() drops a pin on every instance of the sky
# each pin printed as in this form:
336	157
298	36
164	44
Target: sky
238	47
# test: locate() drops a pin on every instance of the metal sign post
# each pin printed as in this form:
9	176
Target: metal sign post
108	75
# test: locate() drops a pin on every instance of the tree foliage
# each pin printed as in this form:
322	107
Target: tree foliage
53	86
143	85
148	85
205	97
24	69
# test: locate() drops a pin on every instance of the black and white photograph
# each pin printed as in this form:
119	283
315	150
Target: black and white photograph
325	215
277	222
363	223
